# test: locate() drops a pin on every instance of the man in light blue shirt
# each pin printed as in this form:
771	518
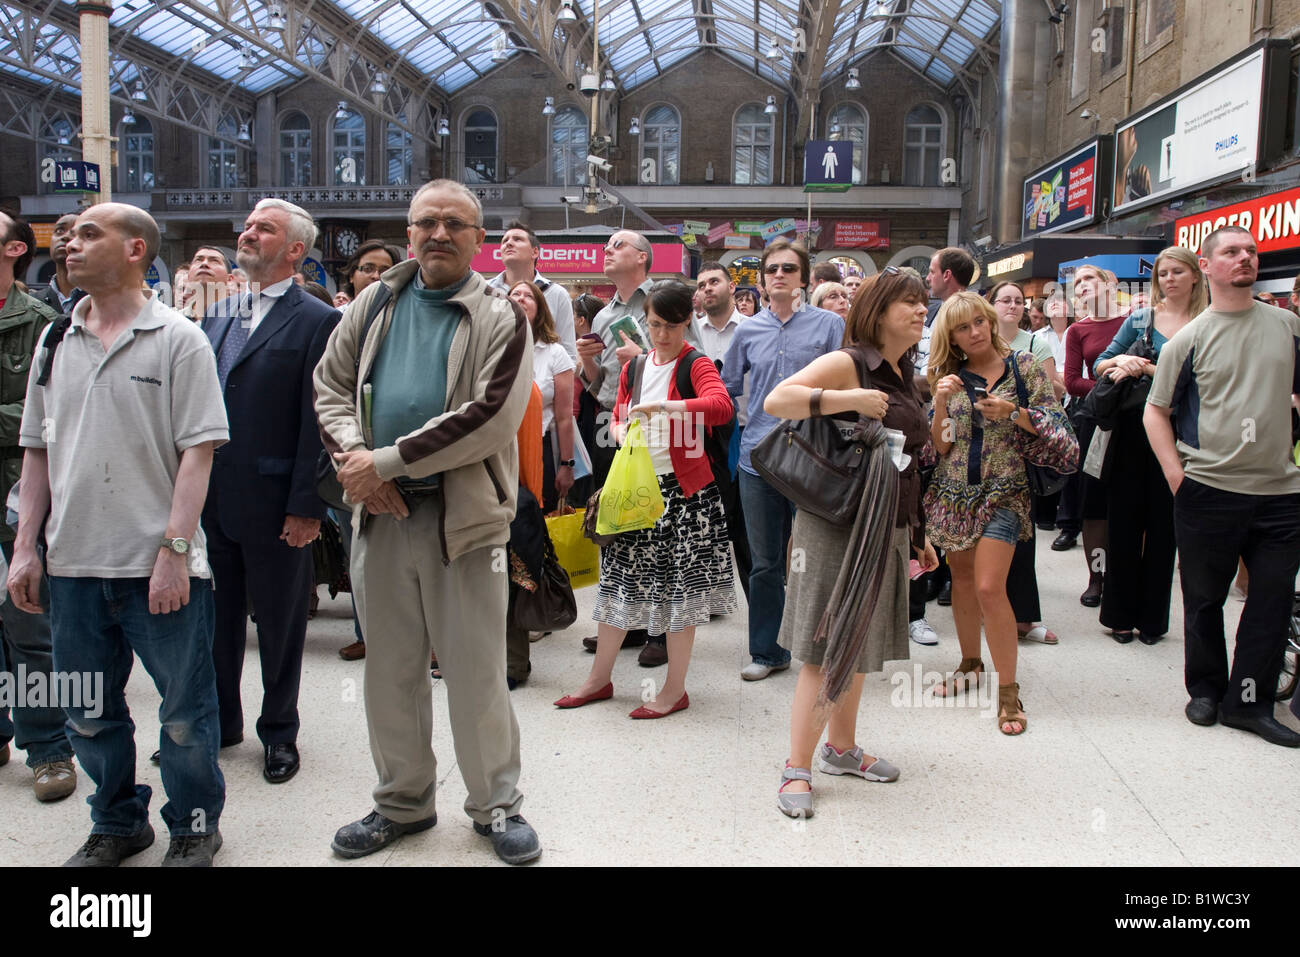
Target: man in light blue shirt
771	346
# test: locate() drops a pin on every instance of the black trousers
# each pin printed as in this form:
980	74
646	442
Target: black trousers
736	531
1213	528
1022	578
1140	535
277	578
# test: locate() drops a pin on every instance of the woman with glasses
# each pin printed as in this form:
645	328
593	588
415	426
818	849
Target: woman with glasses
881	334
832	296
1140	509
1095	326
746	300
977	507
1008	300
372	258
553	375
672	577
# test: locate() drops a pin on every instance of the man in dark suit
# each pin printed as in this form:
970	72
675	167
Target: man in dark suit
262	511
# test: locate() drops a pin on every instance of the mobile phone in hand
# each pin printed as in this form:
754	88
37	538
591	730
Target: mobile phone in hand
980	392
593	336
914	569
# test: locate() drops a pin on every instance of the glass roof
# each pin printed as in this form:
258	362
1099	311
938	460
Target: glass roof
450	43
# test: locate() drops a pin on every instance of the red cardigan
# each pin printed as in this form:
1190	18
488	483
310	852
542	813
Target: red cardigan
711	406
1084	341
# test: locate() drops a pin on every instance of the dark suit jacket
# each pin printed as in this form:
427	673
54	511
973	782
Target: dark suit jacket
268	468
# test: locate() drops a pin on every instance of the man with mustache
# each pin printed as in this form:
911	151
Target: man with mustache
420	394
263	511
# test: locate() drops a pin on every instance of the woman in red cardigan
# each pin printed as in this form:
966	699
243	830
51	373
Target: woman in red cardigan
674	576
1098	319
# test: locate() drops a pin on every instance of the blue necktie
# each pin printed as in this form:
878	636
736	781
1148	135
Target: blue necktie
235	339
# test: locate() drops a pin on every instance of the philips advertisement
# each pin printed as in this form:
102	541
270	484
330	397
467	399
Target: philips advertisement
1062	195
1211	132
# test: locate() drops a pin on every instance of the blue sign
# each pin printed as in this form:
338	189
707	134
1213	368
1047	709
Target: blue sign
76	177
314	271
828	166
1126	267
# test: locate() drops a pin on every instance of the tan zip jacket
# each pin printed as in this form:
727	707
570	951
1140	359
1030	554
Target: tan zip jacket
471	445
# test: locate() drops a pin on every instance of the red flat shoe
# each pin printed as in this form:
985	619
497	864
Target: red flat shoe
682	704
572	701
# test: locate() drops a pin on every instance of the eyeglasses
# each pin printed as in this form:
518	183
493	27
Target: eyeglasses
772	269
1009	302
891	271
430	224
370	269
615	245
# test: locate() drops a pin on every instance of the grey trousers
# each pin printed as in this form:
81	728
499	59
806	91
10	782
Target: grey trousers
411	605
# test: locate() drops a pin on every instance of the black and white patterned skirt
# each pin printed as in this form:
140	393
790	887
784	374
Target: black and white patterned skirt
673	575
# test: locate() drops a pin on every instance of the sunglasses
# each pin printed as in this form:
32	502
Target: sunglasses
772	269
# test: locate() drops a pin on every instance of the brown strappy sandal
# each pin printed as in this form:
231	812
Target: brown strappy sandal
967	674
1010	709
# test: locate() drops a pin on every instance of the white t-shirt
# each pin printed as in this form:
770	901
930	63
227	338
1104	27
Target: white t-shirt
549	360
654	389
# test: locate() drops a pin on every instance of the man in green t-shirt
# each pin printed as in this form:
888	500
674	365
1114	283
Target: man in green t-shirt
1229	378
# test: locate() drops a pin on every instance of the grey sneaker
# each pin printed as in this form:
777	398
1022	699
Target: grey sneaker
756	672
830	761
795	803
921	632
107	850
192	850
513	839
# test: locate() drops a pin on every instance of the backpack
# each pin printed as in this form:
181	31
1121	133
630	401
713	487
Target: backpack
58	329
717	438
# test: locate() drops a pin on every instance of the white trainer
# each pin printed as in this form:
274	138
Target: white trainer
756	672
921	632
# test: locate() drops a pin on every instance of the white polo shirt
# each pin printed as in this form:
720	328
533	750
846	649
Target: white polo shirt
114	425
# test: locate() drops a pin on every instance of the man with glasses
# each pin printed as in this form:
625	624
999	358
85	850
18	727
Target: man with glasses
771	346
519	253
420	394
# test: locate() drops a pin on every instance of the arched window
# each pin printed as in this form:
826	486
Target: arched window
481	147
852	123
58	143
223	157
752	150
397	152
349	149
922	146
137	157
661	145
568	148
295	150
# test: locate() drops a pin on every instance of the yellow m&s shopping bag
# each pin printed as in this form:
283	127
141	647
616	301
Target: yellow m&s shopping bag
630	499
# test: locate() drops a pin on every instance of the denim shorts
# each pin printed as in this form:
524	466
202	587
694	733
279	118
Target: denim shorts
1004	526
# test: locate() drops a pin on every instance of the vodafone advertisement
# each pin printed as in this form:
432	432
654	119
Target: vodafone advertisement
559	259
862	235
1274	221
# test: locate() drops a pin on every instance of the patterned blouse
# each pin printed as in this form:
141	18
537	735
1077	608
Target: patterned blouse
956	512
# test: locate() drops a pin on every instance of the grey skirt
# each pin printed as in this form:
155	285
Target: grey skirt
817	551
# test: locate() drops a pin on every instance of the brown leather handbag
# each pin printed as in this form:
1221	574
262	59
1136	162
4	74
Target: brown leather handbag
813	463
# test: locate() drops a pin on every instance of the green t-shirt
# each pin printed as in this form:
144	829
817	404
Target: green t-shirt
409	381
1229	378
1037	346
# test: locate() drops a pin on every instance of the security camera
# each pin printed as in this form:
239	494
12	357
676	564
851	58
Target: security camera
570	85
984	242
598	162
589	84
571	200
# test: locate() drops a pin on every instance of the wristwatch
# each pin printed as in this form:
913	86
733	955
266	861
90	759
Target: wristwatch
178	545
569	462
1015	414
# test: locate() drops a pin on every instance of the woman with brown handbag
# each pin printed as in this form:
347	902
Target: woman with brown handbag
883	327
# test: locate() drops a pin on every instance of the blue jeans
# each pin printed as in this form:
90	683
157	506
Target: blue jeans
768	516
25	648
98	624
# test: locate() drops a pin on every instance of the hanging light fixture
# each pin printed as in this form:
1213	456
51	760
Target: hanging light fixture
549	108
566	14
882	9
444	129
835	130
342	112
774	51
501	48
138	94
635	128
63	136
771	106
246	58
276	16
128	118
607	84
853	83
244	135
379	85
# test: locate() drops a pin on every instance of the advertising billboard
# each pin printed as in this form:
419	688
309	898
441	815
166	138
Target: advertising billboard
1062	195
1274	221
1209	132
